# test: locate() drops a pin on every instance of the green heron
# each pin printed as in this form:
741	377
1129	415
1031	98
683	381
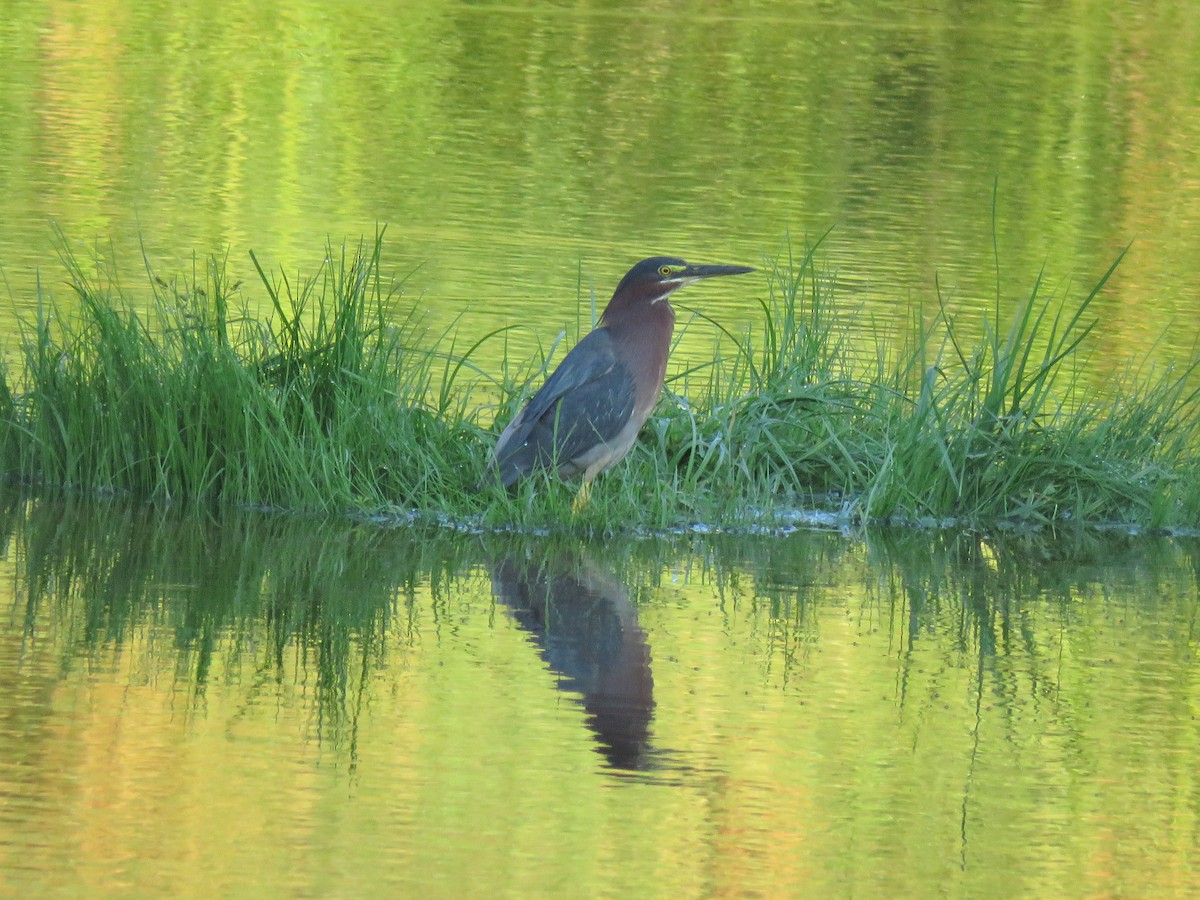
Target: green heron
587	415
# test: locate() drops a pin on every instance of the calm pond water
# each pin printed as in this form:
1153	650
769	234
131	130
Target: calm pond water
522	155
264	704
259	704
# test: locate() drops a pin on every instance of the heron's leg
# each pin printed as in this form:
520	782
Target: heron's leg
581	498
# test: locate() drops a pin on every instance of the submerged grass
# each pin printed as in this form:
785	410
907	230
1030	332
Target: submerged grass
339	402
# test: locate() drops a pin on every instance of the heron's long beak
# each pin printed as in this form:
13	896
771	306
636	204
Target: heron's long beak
694	273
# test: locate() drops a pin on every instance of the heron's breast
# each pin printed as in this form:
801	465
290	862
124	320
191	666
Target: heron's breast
643	346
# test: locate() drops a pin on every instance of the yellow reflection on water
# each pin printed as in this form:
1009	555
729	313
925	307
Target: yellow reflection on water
511	148
189	706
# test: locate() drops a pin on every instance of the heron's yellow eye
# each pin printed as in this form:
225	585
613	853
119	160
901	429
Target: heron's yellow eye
664	270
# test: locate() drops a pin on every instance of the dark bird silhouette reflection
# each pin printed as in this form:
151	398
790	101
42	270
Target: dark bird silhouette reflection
580	617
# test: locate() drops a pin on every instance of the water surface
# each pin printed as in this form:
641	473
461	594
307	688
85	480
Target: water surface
525	156
190	705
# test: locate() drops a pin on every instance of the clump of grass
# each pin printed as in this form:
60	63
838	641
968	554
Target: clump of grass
1004	430
338	401
323	406
783	409
1001	430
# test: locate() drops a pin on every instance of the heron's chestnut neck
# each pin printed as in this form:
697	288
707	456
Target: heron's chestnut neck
631	316
641	340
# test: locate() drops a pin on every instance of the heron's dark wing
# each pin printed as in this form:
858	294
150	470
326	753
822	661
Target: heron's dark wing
586	401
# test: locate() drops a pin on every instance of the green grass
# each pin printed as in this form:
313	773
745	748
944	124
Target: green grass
338	402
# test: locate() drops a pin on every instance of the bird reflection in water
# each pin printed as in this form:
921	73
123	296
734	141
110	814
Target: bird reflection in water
580	617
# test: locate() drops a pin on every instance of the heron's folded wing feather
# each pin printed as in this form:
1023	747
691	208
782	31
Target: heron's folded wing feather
596	391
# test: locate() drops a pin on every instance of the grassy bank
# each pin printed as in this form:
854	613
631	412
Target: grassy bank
339	402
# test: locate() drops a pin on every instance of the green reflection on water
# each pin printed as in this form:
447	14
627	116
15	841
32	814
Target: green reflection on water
506	144
304	705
